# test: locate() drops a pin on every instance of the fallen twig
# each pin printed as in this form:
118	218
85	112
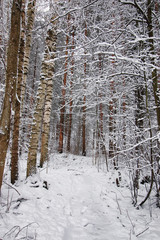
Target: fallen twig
133	226
118	203
13	229
21	229
142	232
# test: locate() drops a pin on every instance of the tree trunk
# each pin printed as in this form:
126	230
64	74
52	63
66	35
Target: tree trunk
151	144
2	48
139	126
152	53
111	123
46	122
44	99
102	147
62	110
36	126
84	106
11	76
112	109
49	91
124	117
84	127
154	74
29	28
15	139
71	101
28	40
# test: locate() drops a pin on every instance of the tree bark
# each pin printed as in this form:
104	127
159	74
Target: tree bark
44	99
49	91
112	110
71	100
11	77
111	123
62	110
152	53
15	139
30	22
84	106
46	122
151	144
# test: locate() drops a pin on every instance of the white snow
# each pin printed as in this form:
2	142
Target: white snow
79	204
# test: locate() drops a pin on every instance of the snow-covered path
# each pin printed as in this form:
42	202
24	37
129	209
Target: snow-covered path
79	204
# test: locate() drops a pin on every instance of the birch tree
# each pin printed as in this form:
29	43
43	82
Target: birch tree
15	138
29	27
44	100
49	92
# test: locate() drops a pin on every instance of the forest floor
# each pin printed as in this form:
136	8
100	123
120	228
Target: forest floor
71	200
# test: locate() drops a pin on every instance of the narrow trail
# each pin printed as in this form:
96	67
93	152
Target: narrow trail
72	201
82	196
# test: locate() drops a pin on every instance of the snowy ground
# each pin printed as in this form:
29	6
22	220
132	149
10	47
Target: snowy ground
73	201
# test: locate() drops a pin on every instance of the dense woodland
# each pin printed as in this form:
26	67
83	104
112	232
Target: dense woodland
82	77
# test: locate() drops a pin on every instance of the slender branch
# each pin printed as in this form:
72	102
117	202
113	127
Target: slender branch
145	140
127	3
71	11
141	11
142	232
13	229
118	203
133	225
12	187
21	229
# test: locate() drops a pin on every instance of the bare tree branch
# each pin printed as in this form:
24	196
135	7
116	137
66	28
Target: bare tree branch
135	4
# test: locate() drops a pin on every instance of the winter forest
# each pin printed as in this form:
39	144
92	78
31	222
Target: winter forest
80	119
